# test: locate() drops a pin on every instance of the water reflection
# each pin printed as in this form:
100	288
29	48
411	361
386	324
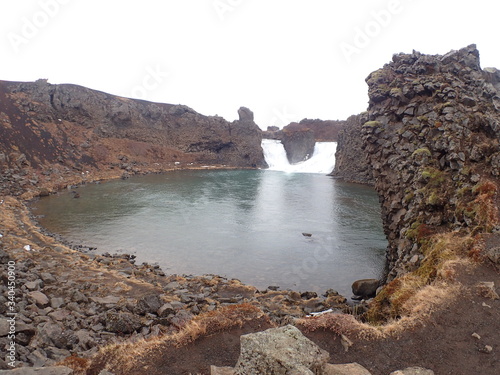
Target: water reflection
243	224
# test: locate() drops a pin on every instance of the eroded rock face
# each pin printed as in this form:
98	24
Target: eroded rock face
351	162
432	139
298	144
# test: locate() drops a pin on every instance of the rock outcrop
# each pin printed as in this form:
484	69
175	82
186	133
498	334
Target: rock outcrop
324	130
351	162
432	139
298	144
46	126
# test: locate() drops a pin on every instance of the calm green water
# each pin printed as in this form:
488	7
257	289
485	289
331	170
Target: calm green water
241	224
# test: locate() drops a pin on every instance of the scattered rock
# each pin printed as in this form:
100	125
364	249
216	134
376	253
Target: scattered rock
108	300
39	298
122	322
487	289
279	350
149	304
346	369
413	371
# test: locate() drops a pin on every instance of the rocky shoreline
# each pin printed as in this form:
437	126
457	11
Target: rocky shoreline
71	303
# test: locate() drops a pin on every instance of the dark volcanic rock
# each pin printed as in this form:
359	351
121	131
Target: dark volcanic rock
351	162
365	288
432	139
324	130
299	144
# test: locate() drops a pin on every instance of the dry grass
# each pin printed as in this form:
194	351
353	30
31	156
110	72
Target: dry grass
122	357
443	254
409	300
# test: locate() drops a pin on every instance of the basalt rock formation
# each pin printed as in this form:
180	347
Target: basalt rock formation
432	139
324	130
68	127
298	144
351	162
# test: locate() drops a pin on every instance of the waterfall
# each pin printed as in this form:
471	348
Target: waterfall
322	160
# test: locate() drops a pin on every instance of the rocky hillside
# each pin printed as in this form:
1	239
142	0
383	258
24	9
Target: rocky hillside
432	139
58	129
351	162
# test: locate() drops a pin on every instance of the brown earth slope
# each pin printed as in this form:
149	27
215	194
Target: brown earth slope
54	130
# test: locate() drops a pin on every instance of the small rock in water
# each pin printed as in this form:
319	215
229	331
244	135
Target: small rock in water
273	287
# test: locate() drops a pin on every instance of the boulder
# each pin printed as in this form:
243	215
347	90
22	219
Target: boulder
279	351
150	303
365	288
122	322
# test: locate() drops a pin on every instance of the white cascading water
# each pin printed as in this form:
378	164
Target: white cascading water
322	160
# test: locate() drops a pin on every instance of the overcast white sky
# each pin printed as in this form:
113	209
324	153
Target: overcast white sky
284	59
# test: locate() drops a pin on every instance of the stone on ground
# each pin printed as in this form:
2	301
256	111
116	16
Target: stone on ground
346	369
279	351
413	371
221	370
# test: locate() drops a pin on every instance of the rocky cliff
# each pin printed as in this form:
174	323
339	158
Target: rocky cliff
72	128
351	162
432	139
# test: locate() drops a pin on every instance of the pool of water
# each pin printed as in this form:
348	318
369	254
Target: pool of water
245	224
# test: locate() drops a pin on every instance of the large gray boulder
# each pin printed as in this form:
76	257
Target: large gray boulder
283	350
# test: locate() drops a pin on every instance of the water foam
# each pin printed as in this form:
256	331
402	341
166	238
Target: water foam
322	160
